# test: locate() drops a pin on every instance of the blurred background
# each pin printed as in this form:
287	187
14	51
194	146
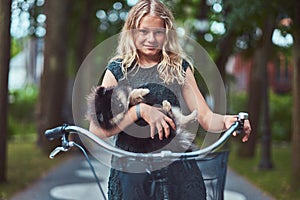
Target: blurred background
255	45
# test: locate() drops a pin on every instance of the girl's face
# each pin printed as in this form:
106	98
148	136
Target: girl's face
149	37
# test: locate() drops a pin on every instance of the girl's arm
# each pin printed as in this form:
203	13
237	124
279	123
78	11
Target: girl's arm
210	121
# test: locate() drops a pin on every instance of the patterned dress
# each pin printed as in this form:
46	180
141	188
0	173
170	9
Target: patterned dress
179	180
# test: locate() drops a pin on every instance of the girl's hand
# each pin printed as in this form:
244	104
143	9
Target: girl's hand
156	120
247	130
230	119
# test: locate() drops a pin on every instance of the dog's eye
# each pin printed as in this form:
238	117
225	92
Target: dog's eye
100	117
120	105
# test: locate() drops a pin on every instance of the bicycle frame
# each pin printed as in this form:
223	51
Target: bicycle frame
64	131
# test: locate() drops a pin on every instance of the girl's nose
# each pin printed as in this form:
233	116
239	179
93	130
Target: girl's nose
151	36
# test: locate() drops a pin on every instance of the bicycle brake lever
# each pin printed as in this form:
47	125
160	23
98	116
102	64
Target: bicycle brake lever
57	150
66	146
242	116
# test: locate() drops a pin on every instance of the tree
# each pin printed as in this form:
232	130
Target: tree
5	13
296	98
50	110
83	25
72	31
264	56
258	91
253	37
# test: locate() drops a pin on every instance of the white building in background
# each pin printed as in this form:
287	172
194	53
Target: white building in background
27	66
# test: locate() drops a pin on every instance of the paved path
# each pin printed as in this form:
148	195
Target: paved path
80	184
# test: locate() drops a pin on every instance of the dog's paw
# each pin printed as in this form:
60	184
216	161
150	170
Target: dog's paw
166	106
194	115
136	95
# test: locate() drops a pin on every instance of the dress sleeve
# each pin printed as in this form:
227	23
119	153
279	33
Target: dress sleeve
185	64
116	68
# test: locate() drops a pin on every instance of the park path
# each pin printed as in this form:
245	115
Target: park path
74	180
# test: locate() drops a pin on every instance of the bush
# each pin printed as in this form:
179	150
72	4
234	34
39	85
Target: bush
280	113
22	110
281	116
237	102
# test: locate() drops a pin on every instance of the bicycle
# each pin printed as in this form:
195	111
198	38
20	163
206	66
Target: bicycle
207	157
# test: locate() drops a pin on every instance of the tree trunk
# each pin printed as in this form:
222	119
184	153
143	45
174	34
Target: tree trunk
254	107
256	89
85	38
5	12
53	82
225	48
266	145
296	102
266	142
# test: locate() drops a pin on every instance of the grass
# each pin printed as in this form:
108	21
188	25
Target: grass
275	181
25	164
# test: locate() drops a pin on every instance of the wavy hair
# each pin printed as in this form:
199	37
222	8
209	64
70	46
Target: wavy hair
170	65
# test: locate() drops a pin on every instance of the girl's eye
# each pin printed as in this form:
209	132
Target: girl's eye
160	32
143	31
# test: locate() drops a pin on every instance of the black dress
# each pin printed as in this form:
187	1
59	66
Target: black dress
178	180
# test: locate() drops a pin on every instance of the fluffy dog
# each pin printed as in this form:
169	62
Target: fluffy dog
107	107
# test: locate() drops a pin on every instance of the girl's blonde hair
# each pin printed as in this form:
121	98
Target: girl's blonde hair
170	65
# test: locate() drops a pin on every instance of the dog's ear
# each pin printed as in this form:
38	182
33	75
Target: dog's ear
100	91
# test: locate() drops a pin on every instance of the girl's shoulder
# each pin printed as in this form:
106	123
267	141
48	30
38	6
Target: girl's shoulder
185	64
115	67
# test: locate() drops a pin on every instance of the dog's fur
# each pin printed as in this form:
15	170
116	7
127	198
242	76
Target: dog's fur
107	107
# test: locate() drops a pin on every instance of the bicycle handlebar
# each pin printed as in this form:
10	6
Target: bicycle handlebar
56	132
62	131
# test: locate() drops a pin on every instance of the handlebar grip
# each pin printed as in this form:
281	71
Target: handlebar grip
55	132
243	115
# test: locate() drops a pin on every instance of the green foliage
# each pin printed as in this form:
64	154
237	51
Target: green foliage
22	110
183	10
237	102
281	116
15	47
242	15
280	113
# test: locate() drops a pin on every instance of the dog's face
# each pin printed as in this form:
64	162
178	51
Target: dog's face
111	104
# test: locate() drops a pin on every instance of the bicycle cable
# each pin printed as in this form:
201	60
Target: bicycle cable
92	168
